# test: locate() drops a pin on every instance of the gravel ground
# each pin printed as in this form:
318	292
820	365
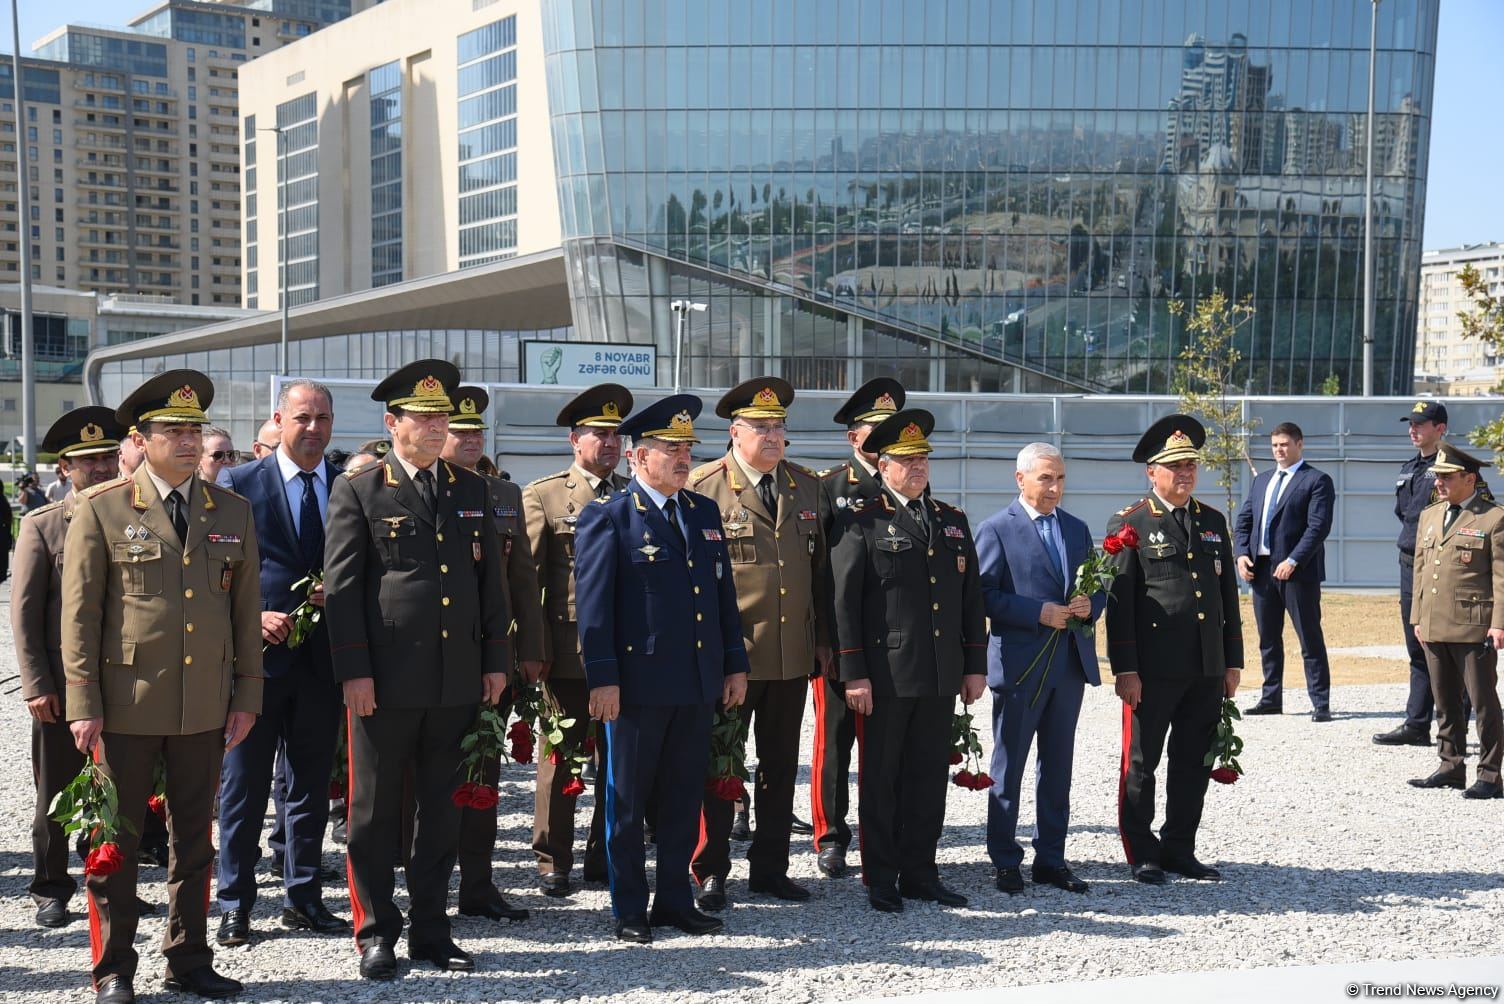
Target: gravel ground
1328	857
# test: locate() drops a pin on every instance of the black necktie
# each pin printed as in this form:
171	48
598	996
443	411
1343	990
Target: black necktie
310	524
176	511
1180	521
1453	511
603	490
916	509
671	513
765	493
425	489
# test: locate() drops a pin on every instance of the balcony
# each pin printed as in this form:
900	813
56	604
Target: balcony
99	125
117	186
104	241
116	164
83	142
159	227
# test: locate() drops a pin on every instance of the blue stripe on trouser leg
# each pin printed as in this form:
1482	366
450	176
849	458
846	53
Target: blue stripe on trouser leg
610	797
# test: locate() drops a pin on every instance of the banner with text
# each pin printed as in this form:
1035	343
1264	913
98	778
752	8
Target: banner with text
576	364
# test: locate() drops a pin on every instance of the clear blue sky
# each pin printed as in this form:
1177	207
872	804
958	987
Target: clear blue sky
1464	203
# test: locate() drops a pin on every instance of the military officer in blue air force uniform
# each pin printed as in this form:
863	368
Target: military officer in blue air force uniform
661	642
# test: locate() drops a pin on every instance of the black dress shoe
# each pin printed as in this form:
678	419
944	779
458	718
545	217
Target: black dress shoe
1190	868
315	917
1149	873
446	955
114	990
1060	878
378	961
1440	779
145	909
741	827
884	898
234	928
337	832
554	884
1403	736
799	826
153	855
932	891
712	894
204	982
779	887
494	909
634	929
1010	881
689	921
1264	709
1485	789
53	913
832	862
1323	715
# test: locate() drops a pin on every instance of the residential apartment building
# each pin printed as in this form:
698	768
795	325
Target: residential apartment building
1467	365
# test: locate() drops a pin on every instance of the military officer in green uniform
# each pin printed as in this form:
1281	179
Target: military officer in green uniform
161	645
912	629
87	444
1175	643
1458	618
418	622
552	506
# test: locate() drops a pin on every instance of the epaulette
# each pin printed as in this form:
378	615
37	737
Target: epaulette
40	510
1200	505
1137	505
1433	505
548	477
830	472
948	506
374	465
119	482
225	491
706	470
800	468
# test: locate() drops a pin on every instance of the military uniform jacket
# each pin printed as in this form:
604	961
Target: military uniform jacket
415	600
36	598
839	486
909	613
161	637
552	508
1414	490
777	563
1459	573
657	619
1171	589
521	576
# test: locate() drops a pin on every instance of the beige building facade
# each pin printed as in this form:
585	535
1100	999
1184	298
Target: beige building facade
1466	366
415	139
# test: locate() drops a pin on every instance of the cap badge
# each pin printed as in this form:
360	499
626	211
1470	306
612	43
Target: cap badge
911	434
766	398
1178	441
610	410
429	386
681	423
184	397
467	406
1420	406
885	403
90	433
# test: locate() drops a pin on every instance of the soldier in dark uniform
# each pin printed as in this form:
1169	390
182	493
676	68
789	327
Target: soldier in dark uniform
661	640
418	620
552	506
87	444
1175	643
465	447
911	626
835	725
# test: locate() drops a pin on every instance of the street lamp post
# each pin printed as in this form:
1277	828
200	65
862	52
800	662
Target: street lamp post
281	240
1368	272
681	309
23	184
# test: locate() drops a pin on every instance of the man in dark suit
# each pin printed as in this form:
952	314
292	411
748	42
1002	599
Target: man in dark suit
1175	643
1029	553
1280	540
289	494
418	624
911	624
647	558
835	724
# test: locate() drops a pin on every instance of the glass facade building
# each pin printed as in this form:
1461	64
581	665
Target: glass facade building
984	195
487	63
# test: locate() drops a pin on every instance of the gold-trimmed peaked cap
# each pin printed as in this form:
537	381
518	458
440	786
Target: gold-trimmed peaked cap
421	386
181	397
671	420
84	431
470	403
873	402
902	434
760	397
603	406
1172	438
1450	460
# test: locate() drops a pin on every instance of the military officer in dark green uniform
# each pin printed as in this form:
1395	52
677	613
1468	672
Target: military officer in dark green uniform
1175	643
418	620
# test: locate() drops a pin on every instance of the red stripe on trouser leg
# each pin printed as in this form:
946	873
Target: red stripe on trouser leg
357	915
702	842
818	815
96	940
861	762
1123	777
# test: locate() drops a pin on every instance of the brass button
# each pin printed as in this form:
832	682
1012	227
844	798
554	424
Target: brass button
187	660
699	644
937	632
188	627
783	591
439	537
187	594
780	562
1200	616
775	534
933	580
629	648
444	569
1198	594
1195	576
699	616
1433	591
783	618
187	560
934	606
691	564
1154	624
931	552
446	601
444	633
1189	555
697	590
1435	575
393	535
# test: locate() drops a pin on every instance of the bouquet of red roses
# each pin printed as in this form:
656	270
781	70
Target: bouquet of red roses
90	803
1225	747
726	775
482	746
966	748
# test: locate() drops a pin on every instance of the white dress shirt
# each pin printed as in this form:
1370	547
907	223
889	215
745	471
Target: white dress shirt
292	485
659	499
1272	495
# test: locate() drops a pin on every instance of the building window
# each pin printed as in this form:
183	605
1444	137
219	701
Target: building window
488	142
298	194
385	83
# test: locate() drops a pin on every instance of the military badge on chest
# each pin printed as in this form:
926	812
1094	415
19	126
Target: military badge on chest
1159	545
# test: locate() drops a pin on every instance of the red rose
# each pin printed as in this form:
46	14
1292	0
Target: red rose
1225	775
522	752
104	860
519	730
158	804
981	782
555	757
574	788
956	758
483	797
962	779
1128	535
461	795
588	746
336	790
1113	544
735	789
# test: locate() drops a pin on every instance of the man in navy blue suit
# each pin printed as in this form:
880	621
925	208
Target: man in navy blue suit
1029	553
1280	536
289	494
646	559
